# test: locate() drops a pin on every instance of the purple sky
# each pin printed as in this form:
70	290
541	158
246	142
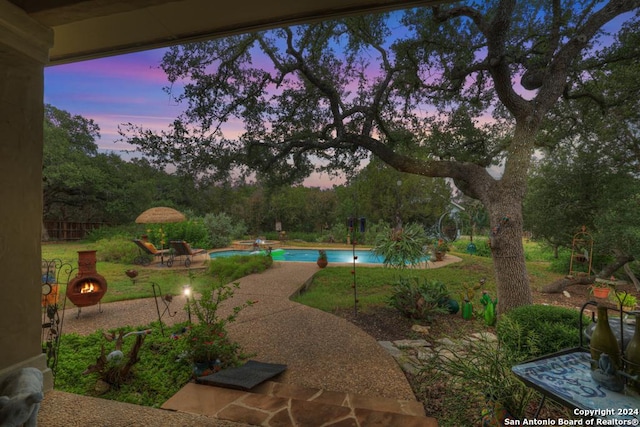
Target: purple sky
111	91
121	89
127	88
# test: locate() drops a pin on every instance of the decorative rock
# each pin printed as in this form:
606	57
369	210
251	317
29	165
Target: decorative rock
425	354
391	349
420	329
446	355
410	343
446	342
487	336
411	366
101	387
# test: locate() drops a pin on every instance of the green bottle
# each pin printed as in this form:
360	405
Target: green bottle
603	340
632	356
467	310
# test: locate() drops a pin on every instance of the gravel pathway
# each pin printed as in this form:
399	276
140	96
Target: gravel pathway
321	350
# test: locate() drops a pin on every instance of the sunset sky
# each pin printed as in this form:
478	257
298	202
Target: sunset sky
111	91
126	88
121	89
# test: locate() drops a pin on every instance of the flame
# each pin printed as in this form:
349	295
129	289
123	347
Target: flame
88	287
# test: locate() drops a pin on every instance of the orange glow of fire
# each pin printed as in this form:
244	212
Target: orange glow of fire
88	287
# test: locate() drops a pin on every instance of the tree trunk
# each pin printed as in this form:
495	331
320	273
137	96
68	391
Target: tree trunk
512	280
560	285
621	259
504	199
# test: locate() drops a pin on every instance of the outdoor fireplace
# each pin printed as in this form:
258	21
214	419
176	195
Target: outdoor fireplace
88	287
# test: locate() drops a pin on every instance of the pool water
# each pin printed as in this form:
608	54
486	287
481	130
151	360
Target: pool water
311	255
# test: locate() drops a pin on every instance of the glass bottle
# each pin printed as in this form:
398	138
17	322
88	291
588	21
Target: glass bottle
632	356
603	340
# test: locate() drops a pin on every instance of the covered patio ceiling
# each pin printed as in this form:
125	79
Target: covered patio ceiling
85	29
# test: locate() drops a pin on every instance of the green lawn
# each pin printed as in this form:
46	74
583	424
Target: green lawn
332	288
121	287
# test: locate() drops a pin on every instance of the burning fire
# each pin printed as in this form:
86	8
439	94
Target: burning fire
88	287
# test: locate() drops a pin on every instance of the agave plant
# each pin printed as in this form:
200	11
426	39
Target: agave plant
402	247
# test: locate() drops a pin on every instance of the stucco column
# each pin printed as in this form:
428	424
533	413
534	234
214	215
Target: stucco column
24	46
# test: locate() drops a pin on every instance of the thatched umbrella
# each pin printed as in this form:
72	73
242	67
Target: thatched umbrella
160	215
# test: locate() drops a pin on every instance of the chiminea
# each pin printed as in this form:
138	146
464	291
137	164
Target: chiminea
88	287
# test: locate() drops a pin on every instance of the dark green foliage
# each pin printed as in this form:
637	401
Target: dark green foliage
234	267
157	376
551	328
419	299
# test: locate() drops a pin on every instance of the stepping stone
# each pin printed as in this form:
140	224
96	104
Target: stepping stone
391	349
425	354
446	342
287	405
420	329
487	336
410	343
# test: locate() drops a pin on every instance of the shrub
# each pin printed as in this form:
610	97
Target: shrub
419	299
208	340
402	247
479	373
117	249
237	266
119	231
553	328
193	231
222	229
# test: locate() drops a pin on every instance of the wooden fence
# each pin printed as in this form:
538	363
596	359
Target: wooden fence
63	230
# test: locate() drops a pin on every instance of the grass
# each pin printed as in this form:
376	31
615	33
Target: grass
121	287
332	288
159	374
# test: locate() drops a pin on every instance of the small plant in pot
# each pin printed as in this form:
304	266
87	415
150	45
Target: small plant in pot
440	249
322	258
600	289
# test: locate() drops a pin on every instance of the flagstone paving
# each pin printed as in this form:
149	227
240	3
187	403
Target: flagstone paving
275	404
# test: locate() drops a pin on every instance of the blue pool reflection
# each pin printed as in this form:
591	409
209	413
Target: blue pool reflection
311	255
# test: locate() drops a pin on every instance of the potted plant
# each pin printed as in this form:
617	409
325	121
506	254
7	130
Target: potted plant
440	248
600	289
322	258
624	301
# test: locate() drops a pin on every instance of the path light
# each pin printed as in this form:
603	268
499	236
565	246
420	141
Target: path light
186	291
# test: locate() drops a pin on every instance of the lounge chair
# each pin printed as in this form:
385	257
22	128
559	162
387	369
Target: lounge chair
148	252
180	248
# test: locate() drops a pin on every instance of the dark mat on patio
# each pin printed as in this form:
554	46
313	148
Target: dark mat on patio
245	377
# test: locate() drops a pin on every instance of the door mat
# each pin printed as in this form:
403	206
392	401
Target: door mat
245	377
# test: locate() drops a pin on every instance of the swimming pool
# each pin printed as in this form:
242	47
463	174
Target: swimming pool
311	255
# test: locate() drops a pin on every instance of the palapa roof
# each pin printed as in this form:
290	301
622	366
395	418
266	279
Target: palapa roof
160	215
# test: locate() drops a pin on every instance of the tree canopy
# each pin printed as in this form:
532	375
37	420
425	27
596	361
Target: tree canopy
444	91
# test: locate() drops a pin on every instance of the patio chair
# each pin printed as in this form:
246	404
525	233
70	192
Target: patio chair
146	249
182	249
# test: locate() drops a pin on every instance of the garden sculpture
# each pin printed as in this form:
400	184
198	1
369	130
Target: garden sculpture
20	397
